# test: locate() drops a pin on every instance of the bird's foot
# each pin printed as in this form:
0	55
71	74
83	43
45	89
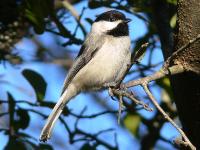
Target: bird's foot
111	86
110	92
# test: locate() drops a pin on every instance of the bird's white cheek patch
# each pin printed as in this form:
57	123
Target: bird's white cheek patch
110	25
104	26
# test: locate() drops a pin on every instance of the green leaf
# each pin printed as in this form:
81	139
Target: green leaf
174	2
173	21
37	82
36	11
165	84
23	120
140	6
38	23
132	123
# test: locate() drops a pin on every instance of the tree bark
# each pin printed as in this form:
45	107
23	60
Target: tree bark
186	86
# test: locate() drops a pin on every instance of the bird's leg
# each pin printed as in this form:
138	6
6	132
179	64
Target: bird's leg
110	92
116	85
110	84
110	87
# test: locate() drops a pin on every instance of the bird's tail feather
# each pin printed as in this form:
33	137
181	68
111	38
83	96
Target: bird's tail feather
57	110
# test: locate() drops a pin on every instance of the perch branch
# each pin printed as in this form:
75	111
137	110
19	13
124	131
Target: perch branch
131	97
157	75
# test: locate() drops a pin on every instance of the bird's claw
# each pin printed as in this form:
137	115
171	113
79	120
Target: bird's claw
110	92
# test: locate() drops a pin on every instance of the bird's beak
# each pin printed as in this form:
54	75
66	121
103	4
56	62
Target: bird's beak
127	20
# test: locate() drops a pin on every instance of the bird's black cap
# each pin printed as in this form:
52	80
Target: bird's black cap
112	15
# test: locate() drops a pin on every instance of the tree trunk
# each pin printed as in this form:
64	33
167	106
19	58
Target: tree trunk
186	86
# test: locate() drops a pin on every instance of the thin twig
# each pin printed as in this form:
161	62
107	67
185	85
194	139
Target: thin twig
92	115
107	145
120	108
131	97
80	25
74	13
72	10
167	62
153	100
103	131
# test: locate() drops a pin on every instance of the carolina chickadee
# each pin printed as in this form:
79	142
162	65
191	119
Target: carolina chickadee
102	61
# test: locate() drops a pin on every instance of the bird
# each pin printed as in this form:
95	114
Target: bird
101	63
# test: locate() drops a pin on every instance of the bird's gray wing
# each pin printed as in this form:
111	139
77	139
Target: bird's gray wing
84	56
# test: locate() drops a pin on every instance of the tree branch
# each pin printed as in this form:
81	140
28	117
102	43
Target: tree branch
129	95
157	75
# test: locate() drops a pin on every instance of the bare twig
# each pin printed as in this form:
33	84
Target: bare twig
103	131
72	10
120	108
167	62
153	100
92	115
119	92
74	13
80	25
93	137
179	143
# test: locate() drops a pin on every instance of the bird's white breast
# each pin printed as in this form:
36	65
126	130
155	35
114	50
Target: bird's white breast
105	65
